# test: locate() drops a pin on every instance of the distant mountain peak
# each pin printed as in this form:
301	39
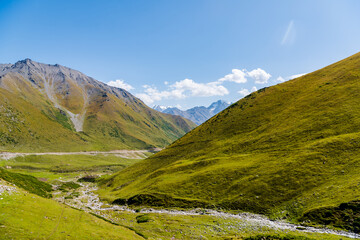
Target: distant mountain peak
198	114
26	60
161	108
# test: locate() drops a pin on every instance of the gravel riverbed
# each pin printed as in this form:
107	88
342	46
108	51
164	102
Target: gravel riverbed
90	202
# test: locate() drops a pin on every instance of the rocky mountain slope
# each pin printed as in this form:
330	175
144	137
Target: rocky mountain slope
288	151
197	115
52	107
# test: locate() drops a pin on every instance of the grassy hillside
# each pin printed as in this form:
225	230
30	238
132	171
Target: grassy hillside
52	167
29	183
283	151
26	127
27	216
54	108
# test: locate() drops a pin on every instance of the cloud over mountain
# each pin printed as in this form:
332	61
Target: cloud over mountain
259	75
119	83
182	89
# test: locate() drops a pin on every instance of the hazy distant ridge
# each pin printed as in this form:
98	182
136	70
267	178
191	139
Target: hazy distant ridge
196	114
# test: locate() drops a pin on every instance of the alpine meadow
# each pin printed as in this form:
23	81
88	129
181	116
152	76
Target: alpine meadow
290	150
180	120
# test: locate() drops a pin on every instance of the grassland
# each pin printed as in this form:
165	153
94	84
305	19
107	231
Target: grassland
167	226
53	167
282	151
24	215
27	182
27	216
290	151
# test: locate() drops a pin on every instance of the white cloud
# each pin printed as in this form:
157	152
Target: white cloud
155	95
280	79
179	106
240	76
237	76
290	34
297	75
259	75
189	88
146	98
246	92
182	89
200	89
120	84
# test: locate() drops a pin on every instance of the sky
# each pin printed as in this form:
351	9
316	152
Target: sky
182	53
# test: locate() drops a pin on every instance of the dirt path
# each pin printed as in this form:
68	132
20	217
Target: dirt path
132	154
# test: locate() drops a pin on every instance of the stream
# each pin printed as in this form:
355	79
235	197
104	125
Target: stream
90	202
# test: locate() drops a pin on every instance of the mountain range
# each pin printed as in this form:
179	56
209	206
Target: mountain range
197	115
51	107
288	151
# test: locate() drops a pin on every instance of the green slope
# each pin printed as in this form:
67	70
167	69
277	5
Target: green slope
282	151
27	216
54	108
26	182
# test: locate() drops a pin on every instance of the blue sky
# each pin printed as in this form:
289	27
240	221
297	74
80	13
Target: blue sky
184	53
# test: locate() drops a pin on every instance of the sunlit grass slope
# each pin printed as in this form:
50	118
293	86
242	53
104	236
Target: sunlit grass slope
282	151
29	183
27	216
53	167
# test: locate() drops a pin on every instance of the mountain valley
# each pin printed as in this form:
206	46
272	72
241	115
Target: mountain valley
288	151
280	163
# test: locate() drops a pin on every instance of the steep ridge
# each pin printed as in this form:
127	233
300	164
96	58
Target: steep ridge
282	151
52	107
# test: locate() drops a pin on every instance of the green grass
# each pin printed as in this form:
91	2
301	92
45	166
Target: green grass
281	151
27	216
52	167
69	186
31	213
62	118
167	226
344	216
277	237
29	183
143	218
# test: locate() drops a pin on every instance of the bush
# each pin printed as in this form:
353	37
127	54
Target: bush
69	185
143	218
89	178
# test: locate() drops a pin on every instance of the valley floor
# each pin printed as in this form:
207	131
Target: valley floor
87	200
133	154
64	171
